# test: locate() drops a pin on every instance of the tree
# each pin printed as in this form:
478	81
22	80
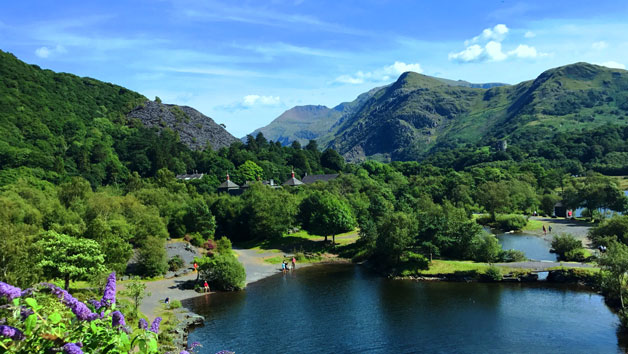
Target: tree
249	171
152	257
615	261
322	213
136	290
615	227
394	237
69	258
494	197
332	160
222	271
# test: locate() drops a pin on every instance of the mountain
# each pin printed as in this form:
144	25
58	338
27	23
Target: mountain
303	123
195	130
56	125
418	114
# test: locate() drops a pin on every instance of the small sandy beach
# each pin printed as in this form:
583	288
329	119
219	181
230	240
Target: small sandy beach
578	228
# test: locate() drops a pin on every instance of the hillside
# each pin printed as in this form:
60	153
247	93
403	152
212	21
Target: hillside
418	113
195	129
303	123
56	125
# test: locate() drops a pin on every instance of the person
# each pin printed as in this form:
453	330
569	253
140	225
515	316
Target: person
549	228
294	263
206	286
283	266
544	230
167	302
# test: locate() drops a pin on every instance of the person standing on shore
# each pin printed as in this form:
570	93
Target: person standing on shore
294	263
544	230
549	228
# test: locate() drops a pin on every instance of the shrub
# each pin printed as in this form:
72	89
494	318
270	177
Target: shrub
210	245
512	256
485	248
175	304
417	261
175	263
493	273
152	257
222	271
576	255
223	245
196	239
511	222
564	243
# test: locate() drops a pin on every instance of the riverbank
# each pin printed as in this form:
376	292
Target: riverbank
578	228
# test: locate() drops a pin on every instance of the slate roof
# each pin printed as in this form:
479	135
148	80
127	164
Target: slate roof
292	181
228	185
187	177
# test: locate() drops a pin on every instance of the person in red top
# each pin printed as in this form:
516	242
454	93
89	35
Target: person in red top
206	286
294	263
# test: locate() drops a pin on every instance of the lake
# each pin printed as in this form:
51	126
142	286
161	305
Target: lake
347	309
534	247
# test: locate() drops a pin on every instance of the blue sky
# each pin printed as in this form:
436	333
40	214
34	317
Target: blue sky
245	62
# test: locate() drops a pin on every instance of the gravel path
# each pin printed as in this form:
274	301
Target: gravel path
541	266
578	228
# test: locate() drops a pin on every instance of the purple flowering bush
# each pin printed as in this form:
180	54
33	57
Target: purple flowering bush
48	319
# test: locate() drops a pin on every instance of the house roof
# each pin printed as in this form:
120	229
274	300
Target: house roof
228	185
292	181
309	179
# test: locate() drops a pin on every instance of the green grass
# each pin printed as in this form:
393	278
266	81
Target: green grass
533	225
450	267
300	240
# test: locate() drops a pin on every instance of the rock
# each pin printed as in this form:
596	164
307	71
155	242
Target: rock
195	129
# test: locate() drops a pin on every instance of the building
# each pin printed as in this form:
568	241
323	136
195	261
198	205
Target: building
187	177
292	181
228	186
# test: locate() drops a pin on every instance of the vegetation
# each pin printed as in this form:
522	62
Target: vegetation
221	269
568	247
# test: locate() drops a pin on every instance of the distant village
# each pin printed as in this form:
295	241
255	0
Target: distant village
232	188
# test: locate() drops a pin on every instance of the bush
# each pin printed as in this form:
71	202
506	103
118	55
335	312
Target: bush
418	261
175	263
223	245
222	271
152	257
511	222
175	304
576	255
564	243
493	273
485	248
512	256
196	239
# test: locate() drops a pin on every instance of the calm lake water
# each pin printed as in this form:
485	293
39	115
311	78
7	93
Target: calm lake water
346	309
534	247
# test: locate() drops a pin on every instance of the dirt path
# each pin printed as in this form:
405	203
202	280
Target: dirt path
161	289
256	268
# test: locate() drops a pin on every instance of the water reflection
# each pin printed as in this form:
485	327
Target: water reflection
343	308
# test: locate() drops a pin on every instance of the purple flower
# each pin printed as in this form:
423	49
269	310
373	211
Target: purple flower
154	327
184	352
80	310
11	332
117	319
97	304
109	295
143	324
73	348
10	291
25	312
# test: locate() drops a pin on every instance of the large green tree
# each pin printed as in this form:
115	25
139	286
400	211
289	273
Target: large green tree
322	213
69	258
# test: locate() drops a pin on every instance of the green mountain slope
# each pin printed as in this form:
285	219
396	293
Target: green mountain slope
56	124
418	114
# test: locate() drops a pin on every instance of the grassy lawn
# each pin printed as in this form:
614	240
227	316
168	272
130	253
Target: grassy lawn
450	267
533	225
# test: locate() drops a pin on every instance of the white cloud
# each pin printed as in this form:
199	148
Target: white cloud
613	65
529	34
525	51
387	73
252	100
497	33
471	53
494	51
45	52
599	45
